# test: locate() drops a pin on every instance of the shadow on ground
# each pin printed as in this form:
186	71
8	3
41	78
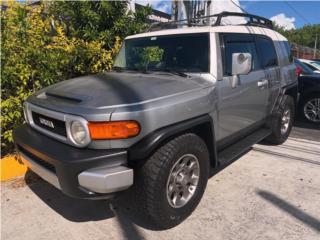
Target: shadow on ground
295	212
80	210
305	130
75	210
304	124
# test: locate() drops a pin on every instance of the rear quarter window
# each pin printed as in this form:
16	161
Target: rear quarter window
287	46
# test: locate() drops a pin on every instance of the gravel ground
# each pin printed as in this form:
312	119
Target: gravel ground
269	193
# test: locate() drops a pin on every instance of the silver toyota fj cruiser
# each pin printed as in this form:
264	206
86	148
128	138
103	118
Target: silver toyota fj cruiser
179	102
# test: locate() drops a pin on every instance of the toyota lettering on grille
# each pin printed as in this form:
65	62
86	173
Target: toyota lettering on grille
46	122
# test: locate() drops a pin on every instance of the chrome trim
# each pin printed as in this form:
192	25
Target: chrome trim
40	170
67	118
106	180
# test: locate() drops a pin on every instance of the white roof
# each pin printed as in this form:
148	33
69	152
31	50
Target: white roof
305	60
215	29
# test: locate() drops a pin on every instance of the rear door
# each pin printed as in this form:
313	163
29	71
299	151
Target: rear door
243	107
270	64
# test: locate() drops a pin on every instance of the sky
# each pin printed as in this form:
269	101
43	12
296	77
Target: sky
288	14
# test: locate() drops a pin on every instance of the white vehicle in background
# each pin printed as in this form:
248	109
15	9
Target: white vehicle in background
314	65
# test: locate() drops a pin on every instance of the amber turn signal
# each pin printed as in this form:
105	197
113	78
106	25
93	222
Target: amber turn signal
113	130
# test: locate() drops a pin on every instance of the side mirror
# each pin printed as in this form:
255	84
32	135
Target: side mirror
241	63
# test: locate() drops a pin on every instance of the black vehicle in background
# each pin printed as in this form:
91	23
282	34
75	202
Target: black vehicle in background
309	101
302	69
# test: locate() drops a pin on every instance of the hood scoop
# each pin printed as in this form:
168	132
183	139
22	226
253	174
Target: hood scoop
73	98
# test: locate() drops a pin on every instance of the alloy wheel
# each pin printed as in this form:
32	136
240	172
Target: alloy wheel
183	180
312	110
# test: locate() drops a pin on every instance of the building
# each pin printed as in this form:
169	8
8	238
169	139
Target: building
198	8
155	16
304	52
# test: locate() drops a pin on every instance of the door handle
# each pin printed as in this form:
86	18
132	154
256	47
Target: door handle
263	83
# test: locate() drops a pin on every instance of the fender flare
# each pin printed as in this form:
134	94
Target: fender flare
146	146
291	90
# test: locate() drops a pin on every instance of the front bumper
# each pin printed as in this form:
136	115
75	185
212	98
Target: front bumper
80	173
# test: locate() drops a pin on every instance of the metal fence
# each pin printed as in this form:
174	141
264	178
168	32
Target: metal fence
304	52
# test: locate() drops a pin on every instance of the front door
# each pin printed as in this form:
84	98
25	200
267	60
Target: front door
245	105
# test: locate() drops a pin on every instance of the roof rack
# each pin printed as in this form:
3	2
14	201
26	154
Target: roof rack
252	20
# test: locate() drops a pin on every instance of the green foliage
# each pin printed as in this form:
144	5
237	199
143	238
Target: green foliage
303	36
41	47
99	20
146	55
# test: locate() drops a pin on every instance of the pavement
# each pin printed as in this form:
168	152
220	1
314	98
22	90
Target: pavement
272	192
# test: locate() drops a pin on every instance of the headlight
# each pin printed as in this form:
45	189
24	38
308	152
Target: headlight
79	133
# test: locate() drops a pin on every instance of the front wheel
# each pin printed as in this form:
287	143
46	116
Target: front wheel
311	108
282	121
169	186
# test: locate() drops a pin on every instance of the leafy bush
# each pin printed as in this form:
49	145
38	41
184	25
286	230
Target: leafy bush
41	47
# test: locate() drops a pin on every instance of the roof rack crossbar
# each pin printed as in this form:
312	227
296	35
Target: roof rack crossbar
253	20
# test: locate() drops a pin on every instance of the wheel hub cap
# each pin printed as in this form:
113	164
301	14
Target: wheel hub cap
312	110
183	180
285	121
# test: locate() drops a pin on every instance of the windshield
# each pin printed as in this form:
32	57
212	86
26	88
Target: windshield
316	64
183	53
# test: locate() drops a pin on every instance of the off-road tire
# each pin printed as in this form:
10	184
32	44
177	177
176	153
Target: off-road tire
150	182
276	136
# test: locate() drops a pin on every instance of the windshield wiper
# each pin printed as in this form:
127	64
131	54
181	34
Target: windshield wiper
121	69
175	72
117	68
140	70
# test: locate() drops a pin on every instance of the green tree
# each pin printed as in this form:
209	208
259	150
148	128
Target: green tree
303	36
99	20
41	46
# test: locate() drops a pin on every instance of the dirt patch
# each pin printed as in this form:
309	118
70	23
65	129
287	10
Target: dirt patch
28	179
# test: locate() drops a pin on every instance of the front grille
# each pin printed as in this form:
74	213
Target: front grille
37	160
50	124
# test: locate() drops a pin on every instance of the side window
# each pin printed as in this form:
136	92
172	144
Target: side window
267	52
241	43
289	52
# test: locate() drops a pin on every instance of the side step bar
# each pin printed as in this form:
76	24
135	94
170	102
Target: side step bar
237	149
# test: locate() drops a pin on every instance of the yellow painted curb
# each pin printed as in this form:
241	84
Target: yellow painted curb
10	168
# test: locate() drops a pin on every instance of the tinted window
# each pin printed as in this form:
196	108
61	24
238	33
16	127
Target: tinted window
186	53
241	43
288	50
312	67
268	54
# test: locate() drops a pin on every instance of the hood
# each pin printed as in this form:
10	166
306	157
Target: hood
111	90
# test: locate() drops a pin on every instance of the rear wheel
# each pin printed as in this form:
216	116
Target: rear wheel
282	121
169	186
